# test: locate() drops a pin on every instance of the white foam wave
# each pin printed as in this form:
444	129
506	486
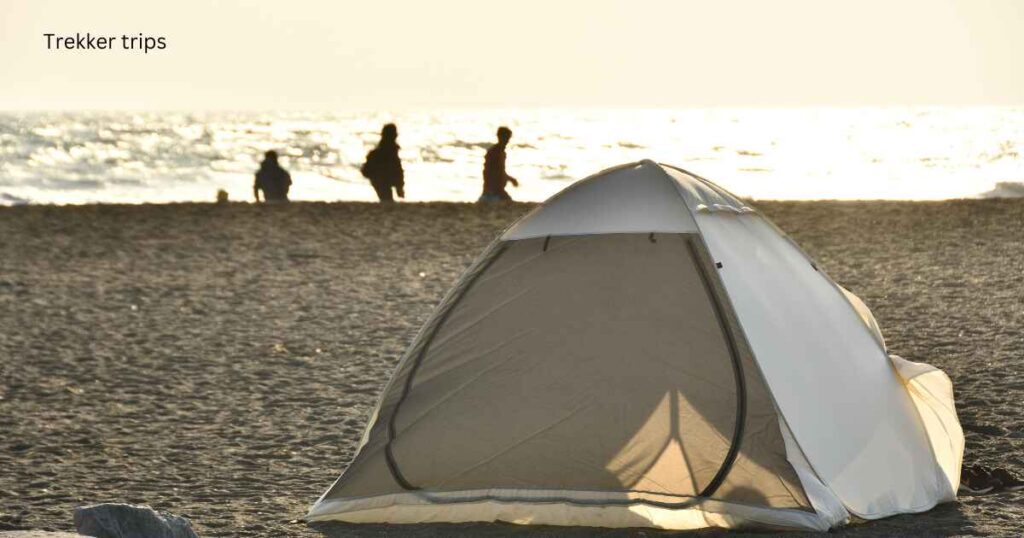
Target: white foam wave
1005	189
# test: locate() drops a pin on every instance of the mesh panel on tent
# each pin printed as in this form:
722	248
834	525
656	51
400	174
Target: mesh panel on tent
602	363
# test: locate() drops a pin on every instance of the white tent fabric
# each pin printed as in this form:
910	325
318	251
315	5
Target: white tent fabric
932	393
629	200
832	381
855	431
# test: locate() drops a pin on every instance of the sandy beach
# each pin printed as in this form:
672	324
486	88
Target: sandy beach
219	362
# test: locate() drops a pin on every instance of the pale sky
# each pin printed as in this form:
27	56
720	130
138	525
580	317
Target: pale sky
344	55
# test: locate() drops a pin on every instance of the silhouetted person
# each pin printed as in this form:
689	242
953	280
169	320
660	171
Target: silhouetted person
273	180
383	166
495	177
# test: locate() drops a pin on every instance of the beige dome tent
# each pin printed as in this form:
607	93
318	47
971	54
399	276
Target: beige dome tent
644	350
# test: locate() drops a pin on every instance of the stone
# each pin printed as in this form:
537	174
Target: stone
38	534
128	521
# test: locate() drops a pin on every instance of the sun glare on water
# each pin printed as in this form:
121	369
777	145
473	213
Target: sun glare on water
793	154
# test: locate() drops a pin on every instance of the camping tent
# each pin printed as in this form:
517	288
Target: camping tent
645	350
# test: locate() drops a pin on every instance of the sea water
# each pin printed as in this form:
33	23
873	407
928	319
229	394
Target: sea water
792	154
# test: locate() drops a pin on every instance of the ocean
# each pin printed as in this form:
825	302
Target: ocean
785	154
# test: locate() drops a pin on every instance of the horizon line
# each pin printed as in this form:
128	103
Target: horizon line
479	107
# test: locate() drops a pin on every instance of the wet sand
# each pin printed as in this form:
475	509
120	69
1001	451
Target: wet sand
218	362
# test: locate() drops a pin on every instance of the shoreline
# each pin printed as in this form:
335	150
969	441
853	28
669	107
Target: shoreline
754	202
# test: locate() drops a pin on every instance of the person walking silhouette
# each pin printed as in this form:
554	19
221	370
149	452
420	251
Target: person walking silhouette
495	176
383	166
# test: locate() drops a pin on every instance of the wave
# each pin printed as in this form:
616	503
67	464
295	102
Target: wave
74	184
11	200
463	144
1005	189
